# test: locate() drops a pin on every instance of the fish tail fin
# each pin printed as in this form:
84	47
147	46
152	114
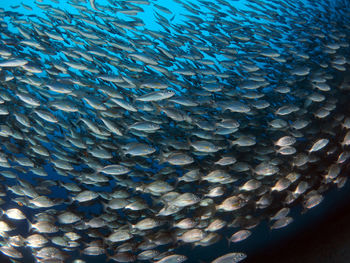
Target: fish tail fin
30	226
131	226
162	158
158	108
232	143
93	6
228	241
71	200
104	206
156	200
295	195
177	181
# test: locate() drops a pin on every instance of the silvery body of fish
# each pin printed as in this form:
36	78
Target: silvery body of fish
131	140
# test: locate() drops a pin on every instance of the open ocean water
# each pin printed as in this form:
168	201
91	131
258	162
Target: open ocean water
174	131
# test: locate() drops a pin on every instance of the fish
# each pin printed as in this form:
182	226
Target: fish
318	145
148	136
11	252
240	236
93	6
12	63
172	258
15	213
230	257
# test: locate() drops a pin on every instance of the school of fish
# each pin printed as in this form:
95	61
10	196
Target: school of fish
132	142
